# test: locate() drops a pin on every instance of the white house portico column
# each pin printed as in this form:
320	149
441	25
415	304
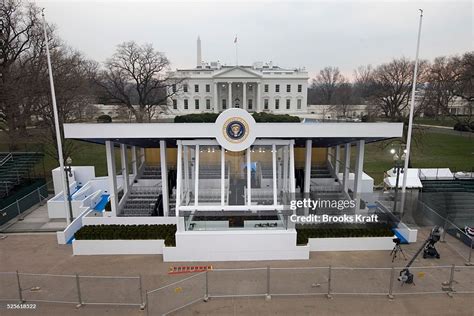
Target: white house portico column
230	95
244	95
257	101
216	101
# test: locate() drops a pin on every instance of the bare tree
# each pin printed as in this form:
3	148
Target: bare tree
19	30
363	82
391	84
73	75
327	82
343	98
138	78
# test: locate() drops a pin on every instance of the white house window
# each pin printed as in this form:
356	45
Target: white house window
224	103
265	104
288	104
265	88
208	88
300	88
277	88
186	105
175	104
174	87
196	104
250	87
250	105
196	88
208	104
185	88
288	88
277	104
298	104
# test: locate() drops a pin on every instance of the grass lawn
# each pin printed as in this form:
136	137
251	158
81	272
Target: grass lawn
432	150
441	121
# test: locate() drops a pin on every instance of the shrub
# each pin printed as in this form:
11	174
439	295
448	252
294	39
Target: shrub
340	231
104	119
196	118
128	232
261	117
464	127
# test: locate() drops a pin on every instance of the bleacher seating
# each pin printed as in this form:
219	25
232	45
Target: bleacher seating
141	201
320	171
452	199
151	172
15	168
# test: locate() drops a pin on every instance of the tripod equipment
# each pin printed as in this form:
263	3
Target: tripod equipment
396	249
428	249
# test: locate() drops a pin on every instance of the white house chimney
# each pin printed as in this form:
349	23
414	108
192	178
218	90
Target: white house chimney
199	58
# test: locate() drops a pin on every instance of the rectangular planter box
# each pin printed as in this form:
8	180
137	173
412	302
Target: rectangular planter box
351	243
118	247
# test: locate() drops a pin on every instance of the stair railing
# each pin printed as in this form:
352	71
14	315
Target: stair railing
6	159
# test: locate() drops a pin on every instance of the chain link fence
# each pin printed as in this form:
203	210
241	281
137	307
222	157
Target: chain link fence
307	281
265	282
71	289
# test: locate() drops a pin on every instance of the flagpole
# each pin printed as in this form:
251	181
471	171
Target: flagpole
412	106
56	123
236	50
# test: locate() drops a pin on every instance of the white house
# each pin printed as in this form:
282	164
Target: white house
212	87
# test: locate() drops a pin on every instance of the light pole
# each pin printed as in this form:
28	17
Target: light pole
68	173
398	158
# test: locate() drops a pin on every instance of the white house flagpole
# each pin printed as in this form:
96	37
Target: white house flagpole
236	51
56	123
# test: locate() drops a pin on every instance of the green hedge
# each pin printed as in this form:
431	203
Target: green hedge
261	117
340	231
126	232
197	118
104	118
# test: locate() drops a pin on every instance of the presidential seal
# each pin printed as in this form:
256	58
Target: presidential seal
235	130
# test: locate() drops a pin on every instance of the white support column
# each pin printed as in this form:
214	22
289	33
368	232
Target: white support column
257	101
249	180
179	173
196	176
337	161
307	167
229	98
244	95
134	161
164	178
216	98
274	162
292	168
329	158
142	155
125	171
359	167
186	172
222	176
112	177
347	166
285	168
